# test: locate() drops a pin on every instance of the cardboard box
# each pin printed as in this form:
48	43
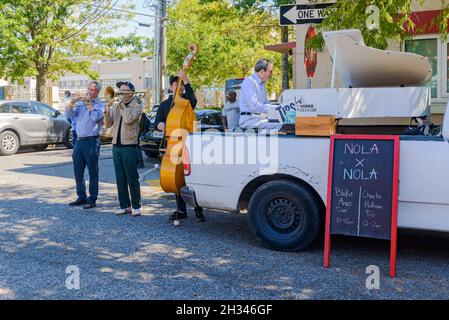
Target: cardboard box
319	126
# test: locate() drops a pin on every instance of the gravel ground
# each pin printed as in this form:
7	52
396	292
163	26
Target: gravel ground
148	258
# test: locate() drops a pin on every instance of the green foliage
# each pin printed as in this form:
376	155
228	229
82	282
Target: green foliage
394	20
252	4
230	41
40	38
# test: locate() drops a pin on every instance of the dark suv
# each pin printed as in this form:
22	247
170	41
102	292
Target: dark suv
151	138
31	123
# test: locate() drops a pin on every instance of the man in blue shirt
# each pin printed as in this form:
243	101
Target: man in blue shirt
253	101
88	116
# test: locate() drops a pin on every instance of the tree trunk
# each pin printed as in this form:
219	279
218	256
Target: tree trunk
285	78
41	88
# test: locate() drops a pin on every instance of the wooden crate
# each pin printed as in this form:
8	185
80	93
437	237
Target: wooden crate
320	126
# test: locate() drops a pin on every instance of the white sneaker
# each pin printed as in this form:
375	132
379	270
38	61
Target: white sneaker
136	212
122	212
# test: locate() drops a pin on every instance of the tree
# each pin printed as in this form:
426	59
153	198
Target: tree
246	4
40	38
262	5
380	21
230	41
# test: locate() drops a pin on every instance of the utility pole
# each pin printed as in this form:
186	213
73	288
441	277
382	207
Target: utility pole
164	80
160	57
157	56
156	73
285	76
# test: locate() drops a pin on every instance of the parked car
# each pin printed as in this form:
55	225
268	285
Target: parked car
233	84
150	140
31	123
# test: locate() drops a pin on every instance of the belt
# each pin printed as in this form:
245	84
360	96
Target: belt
88	138
245	113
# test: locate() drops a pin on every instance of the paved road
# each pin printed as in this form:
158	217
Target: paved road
148	258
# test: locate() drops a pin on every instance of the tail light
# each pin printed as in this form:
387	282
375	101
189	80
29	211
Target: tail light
186	161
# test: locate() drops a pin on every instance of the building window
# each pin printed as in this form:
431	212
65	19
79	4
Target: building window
149	82
427	48
112	83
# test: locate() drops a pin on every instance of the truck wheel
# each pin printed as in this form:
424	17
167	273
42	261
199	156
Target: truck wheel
284	215
9	143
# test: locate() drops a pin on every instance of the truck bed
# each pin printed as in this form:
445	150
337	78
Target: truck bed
220	172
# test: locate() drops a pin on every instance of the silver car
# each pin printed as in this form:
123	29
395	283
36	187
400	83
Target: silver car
31	123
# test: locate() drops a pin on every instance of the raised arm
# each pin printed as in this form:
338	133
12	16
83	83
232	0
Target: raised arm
132	113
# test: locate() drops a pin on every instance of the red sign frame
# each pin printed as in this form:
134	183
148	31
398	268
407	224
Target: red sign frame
395	196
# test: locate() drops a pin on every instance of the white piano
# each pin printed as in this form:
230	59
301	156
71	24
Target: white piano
376	84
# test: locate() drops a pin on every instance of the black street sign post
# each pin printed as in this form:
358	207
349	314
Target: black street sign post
303	14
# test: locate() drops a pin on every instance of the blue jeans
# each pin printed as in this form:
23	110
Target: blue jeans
74	138
86	153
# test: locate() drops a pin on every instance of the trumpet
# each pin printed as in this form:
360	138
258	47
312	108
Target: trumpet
110	95
139	94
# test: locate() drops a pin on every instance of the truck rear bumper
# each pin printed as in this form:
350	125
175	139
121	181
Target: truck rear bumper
189	196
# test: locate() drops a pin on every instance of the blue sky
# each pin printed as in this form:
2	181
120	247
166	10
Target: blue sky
132	26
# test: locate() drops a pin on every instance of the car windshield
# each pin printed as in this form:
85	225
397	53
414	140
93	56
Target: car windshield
233	84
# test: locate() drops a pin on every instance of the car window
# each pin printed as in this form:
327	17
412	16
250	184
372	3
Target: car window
233	84
205	119
4	108
19	107
216	119
43	109
210	118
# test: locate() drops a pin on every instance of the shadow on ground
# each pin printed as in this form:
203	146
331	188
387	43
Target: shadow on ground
148	258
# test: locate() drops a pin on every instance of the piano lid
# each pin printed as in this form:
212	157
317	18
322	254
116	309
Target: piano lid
360	66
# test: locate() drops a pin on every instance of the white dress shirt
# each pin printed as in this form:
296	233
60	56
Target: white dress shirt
253	95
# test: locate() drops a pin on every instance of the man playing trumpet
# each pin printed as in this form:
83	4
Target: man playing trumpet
87	113
123	115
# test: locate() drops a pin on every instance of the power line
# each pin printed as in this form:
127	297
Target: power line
135	12
127	11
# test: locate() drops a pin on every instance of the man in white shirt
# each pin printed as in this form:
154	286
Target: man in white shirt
253	101
231	111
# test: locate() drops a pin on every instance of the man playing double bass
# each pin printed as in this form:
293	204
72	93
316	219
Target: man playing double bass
161	119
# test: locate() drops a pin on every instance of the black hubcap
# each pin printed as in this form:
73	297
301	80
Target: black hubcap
283	215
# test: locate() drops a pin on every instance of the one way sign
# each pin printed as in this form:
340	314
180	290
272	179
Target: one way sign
303	14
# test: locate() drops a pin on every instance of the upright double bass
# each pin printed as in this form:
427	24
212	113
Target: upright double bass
180	122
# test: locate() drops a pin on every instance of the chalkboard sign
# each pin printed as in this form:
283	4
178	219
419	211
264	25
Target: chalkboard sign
363	187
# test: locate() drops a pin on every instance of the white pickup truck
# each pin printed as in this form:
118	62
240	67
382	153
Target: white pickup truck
282	181
286	208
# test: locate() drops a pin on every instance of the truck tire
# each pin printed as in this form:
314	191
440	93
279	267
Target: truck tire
284	215
9	143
